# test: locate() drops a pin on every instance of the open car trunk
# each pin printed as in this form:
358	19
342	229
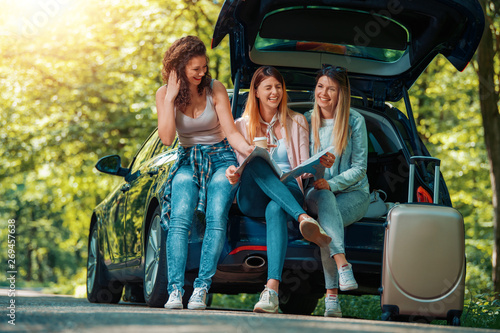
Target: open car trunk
385	45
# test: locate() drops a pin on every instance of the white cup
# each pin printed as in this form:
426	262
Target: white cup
260	141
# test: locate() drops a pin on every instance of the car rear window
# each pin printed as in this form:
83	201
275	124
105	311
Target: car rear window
337	31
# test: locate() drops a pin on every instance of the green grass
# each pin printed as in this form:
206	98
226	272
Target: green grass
482	310
239	301
365	306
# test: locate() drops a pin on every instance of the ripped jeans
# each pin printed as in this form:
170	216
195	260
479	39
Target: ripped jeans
184	201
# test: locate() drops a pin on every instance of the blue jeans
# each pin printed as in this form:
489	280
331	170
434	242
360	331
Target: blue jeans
334	212
184	201
262	194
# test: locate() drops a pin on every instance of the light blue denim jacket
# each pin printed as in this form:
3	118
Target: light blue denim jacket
348	173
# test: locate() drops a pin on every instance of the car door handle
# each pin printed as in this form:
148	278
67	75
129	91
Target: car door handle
153	171
125	187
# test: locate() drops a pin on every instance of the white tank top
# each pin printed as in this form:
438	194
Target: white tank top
280	156
205	129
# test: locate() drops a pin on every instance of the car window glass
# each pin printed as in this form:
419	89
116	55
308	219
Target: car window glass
161	148
388	45
382	137
145	152
374	145
382	140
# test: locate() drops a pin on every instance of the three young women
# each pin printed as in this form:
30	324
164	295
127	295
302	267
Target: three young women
197	108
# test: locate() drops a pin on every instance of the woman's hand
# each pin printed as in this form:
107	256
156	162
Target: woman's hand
231	175
250	150
269	146
173	87
327	160
321	184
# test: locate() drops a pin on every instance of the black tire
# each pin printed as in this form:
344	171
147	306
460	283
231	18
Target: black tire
188	291
155	263
100	289
420	319
133	293
210	298
303	304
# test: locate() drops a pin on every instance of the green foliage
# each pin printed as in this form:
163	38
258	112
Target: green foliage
482	310
446	109
479	265
78	86
240	301
365	306
448	117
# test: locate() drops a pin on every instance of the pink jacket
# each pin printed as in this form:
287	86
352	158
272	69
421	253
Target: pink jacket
297	149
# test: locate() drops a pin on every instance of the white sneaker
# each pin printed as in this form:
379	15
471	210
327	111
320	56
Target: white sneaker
268	302
332	306
313	232
346	278
174	300
197	299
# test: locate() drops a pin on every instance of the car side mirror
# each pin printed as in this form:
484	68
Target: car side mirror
112	165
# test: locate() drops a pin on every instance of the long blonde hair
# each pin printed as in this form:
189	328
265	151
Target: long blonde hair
341	114
252	107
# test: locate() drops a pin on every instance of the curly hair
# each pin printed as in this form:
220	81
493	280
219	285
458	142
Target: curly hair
176	58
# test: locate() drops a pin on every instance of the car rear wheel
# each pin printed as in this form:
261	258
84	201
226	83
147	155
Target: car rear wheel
296	303
155	263
100	289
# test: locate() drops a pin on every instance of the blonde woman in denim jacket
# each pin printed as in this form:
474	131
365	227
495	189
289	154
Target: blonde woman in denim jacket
342	196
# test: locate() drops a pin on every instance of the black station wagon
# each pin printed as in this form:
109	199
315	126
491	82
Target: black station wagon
385	46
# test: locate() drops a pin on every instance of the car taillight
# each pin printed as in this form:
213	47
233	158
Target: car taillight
249	248
423	195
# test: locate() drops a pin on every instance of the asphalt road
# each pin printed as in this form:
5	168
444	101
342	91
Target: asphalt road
35	312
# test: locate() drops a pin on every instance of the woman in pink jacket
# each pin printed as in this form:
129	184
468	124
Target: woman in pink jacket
261	193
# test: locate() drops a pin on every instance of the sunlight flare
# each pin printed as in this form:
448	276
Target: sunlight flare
27	18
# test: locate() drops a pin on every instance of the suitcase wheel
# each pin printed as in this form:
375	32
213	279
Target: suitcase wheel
453	318
386	316
454	322
389	312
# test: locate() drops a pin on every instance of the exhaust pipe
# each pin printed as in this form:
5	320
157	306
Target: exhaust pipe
255	261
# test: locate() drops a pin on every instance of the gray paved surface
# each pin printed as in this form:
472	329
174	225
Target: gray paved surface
50	313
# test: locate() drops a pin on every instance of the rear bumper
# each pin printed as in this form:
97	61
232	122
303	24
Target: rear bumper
238	272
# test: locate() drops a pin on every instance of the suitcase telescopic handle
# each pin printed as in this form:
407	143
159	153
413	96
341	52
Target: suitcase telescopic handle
411	185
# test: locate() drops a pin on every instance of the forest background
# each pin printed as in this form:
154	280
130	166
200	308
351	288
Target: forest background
78	82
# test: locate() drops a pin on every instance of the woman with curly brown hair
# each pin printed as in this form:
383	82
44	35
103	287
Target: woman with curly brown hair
197	108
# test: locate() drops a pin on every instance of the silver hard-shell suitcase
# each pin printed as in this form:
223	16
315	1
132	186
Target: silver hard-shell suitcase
423	273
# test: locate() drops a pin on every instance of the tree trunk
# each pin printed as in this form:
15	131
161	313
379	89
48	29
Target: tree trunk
29	272
491	124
